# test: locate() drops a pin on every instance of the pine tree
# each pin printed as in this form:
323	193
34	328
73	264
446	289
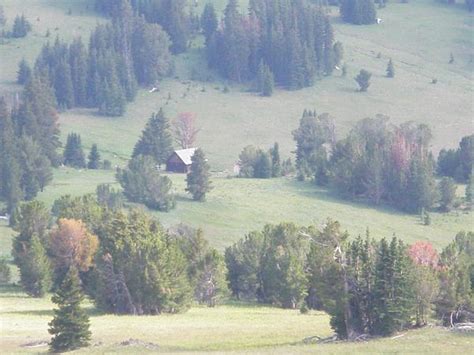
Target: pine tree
198	183
276	164
470	189
29	254
265	80
174	22
3	18
24	72
94	158
363	79
209	21
156	140
447	190
21	27
73	153
63	85
263	166
390	69
70	325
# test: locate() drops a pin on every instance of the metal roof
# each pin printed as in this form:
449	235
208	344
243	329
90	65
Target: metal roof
185	155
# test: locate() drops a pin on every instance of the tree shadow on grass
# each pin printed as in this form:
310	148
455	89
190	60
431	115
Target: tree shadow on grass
311	190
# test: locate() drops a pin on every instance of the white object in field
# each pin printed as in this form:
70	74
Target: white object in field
379	20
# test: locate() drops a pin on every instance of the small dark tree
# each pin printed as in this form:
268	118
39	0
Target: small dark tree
363	79
73	153
156	140
21	27
3	18
451	58
198	183
276	163
390	69
209	21
470	189
265	80
24	72
94	158
447	190
70	325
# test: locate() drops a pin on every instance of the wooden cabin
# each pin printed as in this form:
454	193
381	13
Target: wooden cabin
180	161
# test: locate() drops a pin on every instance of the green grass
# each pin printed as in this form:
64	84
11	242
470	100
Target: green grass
229	328
237	206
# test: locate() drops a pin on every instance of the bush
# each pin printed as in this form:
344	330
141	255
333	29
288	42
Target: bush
5	274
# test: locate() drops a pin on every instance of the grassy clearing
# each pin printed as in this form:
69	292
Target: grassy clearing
229	328
237	206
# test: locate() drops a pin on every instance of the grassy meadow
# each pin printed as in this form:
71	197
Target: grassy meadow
238	328
418	36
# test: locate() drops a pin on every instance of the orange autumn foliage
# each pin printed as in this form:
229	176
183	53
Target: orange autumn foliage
72	243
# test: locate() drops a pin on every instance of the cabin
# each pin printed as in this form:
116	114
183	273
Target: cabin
180	161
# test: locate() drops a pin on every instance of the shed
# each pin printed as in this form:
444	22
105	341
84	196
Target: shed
180	161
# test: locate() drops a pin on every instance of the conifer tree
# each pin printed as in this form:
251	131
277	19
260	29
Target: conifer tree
470	189
94	158
390	69
447	190
156	140
265	80
276	164
209	21
363	79
198	183
21	27
73	153
3	18
24	72
31	221
70	325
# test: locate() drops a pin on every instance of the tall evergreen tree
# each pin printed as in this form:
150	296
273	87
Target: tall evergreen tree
363	79
73	153
24	72
198	183
447	190
390	69
156	140
276	162
94	158
209	21
70	325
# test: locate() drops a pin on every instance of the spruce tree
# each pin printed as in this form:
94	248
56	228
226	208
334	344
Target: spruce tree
94	158
24	72
265	80
156	140
198	183
73	153
363	79
21	27
209	21
70	325
276	163
447	189
390	69
470	189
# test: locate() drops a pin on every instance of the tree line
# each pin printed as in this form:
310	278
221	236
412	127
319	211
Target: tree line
379	161
29	139
120	56
368	287
127	263
290	42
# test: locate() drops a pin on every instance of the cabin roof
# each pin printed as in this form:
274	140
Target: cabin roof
185	155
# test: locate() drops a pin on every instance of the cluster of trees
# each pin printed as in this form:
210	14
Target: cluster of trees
29	138
367	286
127	262
260	164
21	26
169	14
121	55
458	163
74	155
377	161
358	12
290	42
142	181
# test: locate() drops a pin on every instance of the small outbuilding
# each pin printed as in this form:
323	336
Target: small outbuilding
180	161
